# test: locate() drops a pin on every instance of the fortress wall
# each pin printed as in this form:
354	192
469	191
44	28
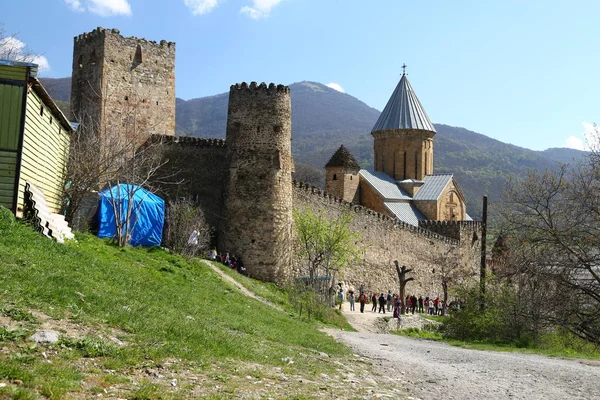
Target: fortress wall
382	240
199	172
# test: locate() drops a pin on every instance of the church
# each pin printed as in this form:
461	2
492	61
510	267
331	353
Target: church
403	184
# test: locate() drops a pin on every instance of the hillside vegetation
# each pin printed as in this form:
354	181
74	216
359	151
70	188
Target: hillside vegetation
146	324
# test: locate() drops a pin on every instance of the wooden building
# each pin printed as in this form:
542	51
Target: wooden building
34	138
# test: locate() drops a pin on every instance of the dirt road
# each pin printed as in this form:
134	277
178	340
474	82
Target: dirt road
433	370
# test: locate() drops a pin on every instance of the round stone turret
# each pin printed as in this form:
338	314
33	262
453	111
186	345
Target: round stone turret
257	224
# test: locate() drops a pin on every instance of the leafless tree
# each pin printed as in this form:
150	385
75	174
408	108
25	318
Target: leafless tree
187	232
107	155
553	220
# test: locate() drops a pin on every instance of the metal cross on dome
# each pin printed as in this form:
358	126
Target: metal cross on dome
403	69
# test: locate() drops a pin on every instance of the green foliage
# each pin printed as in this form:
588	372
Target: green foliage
7	219
324	243
90	347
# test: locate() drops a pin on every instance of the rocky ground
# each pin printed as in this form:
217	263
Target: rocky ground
433	370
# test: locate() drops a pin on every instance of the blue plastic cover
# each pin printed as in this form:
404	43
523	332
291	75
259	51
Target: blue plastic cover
147	216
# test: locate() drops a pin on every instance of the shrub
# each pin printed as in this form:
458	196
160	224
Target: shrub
187	232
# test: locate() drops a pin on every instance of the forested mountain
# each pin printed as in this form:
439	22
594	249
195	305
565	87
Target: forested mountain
323	119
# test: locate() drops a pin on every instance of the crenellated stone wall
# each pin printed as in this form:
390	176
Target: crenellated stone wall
384	239
125	85
196	169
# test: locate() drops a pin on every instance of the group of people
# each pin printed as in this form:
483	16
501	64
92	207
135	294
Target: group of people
232	262
393	303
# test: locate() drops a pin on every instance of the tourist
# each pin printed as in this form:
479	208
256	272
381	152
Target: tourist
436	304
362	299
381	303
351	299
420	304
413	301
389	300
431	308
374	300
212	255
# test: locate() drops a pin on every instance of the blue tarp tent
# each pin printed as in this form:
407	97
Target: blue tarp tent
147	216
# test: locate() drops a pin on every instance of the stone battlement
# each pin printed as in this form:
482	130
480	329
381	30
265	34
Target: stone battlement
188	141
443	224
391	222
271	88
103	32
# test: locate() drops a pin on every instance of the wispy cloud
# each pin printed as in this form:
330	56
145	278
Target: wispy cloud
12	48
336	86
104	8
260	8
590	139
75	5
200	7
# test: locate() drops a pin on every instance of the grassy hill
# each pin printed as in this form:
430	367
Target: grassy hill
133	320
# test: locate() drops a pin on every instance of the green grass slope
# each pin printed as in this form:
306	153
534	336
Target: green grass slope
160	305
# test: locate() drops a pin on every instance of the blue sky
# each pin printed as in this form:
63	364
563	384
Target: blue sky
523	72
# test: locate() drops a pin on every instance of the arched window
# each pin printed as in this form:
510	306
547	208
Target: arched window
416	165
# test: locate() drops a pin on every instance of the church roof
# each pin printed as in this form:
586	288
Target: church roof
406	212
342	158
403	110
385	185
433	187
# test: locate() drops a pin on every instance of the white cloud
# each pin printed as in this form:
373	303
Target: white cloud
591	139
104	8
336	86
75	5
12	48
259	8
573	142
200	7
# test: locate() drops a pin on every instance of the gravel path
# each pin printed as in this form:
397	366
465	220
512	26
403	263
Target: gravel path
434	370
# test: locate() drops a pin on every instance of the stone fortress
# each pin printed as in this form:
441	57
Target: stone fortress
244	184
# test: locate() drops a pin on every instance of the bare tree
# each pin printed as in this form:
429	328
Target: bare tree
553	220
187	232
108	155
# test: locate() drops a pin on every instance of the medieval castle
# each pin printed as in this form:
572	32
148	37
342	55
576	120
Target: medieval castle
402	211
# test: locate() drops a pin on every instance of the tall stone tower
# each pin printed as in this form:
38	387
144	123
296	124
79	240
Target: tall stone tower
123	85
341	176
404	136
257	225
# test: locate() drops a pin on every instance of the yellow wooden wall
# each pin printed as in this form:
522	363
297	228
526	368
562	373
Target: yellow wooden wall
44	155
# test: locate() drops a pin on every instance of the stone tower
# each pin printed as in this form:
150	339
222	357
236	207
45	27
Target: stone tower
404	136
341	176
123	85
257	224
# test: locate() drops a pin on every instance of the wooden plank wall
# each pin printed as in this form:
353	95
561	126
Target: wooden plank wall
11	105
44	156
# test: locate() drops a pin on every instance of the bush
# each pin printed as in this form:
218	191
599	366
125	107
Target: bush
187	232
7	219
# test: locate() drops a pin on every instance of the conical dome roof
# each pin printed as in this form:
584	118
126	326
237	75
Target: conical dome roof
403	111
343	158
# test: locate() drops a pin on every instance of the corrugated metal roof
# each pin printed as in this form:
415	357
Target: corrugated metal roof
385	185
406	212
403	110
433	187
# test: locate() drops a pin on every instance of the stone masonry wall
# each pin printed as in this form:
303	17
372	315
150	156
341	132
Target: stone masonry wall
383	240
125	83
258	202
197	171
